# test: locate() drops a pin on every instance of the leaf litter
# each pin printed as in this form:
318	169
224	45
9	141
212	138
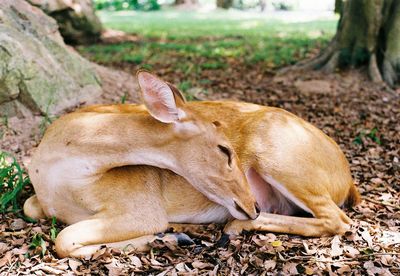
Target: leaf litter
361	116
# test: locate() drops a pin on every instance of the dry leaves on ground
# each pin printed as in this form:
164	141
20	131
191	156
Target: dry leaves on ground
362	117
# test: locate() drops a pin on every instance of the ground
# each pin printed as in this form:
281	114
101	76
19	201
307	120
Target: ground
362	117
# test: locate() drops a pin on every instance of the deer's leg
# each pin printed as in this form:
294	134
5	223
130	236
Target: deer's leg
33	209
328	218
131	212
308	227
84	238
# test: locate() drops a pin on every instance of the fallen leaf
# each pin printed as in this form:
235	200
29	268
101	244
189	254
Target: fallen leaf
343	269
350	251
200	265
115	268
387	260
309	271
6	259
74	264
269	265
136	261
290	268
390	238
336	249
3	247
276	243
367	237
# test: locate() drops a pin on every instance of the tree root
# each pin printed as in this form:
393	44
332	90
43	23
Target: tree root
331	65
328	62
320	60
312	64
389	73
373	69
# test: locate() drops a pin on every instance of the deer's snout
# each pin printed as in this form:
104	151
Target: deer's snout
249	213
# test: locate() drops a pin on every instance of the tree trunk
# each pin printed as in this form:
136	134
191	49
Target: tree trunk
338	6
368	34
263	4
224	4
188	2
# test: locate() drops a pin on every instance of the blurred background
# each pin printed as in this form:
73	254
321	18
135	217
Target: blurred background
195	39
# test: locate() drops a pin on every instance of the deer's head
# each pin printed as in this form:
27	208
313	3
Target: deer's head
199	148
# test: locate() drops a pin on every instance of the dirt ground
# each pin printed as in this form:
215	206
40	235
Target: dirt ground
362	117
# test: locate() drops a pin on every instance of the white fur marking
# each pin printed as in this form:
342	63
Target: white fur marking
187	127
248	108
181	114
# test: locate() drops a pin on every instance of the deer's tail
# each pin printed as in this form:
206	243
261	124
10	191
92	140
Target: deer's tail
353	198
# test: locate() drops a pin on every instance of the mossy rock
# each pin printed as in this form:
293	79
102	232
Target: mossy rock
37	69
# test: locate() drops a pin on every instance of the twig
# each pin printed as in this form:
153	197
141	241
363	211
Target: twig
384	253
355	259
17	233
11	266
381	203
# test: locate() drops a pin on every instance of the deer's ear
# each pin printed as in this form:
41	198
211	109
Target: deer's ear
159	98
179	98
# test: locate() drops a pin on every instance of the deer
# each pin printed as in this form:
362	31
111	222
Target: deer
119	174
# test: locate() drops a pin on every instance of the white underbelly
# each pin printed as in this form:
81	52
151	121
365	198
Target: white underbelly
212	214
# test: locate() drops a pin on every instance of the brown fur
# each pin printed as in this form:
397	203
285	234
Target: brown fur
288	157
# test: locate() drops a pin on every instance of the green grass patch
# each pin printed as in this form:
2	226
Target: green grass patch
372	135
38	244
174	24
13	179
190	42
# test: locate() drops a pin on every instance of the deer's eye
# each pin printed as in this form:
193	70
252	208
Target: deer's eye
216	123
227	152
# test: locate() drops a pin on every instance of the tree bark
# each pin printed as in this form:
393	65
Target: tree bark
224	4
368	34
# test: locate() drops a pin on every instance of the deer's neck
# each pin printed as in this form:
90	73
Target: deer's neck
112	140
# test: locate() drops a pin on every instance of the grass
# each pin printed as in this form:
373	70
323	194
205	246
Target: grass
173	24
197	41
372	134
38	243
13	179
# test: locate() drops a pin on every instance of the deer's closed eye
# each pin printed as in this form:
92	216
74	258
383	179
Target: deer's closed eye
227	152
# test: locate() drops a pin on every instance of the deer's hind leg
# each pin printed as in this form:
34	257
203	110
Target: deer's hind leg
328	218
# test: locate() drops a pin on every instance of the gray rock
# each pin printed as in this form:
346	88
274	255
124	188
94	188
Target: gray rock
37	70
76	18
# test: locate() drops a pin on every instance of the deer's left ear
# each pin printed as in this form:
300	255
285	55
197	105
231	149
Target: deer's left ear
160	100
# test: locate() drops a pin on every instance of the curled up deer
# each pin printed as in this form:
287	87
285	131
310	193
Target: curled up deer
119	174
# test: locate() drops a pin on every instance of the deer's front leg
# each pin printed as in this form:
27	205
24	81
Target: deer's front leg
84	238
